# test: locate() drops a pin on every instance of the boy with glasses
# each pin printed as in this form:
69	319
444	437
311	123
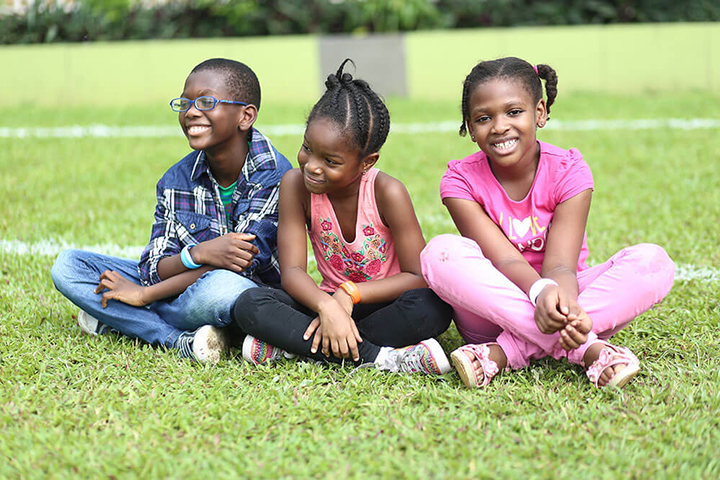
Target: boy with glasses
214	234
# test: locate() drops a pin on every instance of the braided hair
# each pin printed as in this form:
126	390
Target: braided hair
240	80
356	109
511	68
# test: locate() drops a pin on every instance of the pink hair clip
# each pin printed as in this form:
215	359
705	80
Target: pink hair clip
535	68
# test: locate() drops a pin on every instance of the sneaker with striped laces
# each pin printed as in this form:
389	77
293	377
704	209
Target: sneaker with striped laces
258	352
426	357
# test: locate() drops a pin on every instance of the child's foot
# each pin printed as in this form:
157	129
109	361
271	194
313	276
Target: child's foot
425	357
90	325
610	365
258	352
478	364
205	345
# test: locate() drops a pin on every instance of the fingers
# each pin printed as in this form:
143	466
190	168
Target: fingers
311	328
352	344
106	280
317	339
563	303
571	338
326	346
356	333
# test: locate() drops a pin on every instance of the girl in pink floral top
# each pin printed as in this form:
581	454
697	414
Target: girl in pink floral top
367	243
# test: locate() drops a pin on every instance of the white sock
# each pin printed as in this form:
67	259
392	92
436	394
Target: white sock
382	356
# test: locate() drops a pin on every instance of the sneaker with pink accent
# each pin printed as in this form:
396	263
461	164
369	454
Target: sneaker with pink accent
426	357
258	352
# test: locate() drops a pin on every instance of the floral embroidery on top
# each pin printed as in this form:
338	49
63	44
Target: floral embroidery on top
359	265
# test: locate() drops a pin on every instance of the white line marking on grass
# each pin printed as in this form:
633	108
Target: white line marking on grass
149	131
683	272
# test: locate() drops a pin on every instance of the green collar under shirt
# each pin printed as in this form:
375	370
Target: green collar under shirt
226	194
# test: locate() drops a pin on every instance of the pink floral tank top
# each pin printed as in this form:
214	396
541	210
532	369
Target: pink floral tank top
370	256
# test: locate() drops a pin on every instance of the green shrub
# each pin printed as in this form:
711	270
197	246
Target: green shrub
94	20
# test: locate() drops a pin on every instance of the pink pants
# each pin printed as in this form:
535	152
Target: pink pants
490	308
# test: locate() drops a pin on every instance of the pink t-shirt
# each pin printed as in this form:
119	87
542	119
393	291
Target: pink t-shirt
370	256
561	174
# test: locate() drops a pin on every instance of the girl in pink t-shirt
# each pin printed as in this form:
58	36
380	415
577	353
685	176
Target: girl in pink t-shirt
367	243
517	278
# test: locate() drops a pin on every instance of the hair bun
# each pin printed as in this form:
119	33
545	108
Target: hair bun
332	81
346	78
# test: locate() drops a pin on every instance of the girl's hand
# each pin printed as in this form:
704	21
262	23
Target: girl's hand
340	335
345	301
121	289
232	251
575	332
551	309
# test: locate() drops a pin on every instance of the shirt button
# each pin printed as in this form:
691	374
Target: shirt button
192	226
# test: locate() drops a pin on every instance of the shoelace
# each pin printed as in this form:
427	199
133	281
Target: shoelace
411	360
184	345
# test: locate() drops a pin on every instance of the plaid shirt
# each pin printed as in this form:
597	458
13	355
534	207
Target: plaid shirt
189	209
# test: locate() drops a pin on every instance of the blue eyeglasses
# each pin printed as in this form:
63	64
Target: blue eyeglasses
203	103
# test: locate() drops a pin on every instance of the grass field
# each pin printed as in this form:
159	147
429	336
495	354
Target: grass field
71	405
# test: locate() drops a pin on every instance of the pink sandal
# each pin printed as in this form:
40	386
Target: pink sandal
465	367
609	357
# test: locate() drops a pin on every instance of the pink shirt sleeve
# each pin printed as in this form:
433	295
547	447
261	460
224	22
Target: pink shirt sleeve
457	182
572	176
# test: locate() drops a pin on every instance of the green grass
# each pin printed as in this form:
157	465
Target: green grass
111	407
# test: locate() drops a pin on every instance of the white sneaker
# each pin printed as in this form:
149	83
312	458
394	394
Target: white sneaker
90	325
205	345
425	357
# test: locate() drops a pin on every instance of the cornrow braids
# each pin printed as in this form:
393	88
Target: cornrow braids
511	68
354	107
239	78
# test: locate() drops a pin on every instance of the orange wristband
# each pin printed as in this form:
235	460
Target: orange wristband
352	290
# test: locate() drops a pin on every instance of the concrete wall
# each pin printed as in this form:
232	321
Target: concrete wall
620	58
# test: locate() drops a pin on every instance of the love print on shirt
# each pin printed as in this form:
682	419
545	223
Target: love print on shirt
516	229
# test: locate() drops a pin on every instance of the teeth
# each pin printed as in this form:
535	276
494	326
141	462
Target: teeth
194	130
504	145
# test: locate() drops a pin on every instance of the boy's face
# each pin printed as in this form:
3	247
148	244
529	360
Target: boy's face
210	129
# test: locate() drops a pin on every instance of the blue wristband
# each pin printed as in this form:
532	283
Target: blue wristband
187	259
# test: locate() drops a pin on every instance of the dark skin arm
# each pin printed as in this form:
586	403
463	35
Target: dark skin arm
554	312
231	252
396	211
341	335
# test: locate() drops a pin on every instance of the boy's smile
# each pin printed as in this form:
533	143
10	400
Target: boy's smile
210	130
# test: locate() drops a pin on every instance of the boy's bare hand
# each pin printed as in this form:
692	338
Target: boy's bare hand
121	289
232	251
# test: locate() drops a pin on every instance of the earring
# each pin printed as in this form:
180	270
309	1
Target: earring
472	137
541	124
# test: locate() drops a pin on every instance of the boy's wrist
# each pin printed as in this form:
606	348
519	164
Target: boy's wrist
191	259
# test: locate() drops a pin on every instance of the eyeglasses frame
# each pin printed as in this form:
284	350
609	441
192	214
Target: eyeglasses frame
192	102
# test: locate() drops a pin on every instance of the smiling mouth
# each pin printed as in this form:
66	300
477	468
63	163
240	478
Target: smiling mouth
314	181
507	144
197	129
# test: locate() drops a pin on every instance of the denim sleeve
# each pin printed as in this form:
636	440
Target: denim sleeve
261	219
163	240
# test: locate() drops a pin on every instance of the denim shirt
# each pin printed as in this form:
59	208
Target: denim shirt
189	209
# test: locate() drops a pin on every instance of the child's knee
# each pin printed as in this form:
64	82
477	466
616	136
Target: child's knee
65	263
654	265
247	308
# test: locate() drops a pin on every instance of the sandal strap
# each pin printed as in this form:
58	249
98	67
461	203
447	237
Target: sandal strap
610	356
482	353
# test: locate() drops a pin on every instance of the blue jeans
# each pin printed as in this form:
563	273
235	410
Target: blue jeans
209	301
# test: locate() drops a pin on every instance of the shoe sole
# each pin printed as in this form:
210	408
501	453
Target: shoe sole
465	368
209	345
82	320
438	354
624	376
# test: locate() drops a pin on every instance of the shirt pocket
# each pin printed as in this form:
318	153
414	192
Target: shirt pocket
193	227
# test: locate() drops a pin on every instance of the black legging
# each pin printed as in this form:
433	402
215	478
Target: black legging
273	316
